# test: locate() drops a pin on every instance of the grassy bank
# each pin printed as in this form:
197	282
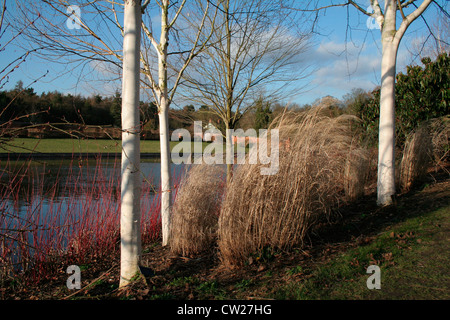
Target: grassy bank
25	145
409	242
413	257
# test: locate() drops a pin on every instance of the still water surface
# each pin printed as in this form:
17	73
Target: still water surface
49	204
48	184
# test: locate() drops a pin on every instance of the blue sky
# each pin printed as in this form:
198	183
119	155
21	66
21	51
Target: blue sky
354	61
342	60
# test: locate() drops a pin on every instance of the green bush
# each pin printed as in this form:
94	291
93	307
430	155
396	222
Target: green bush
421	94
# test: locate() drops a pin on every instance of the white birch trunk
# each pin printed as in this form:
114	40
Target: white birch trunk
386	145
229	152
390	38
130	217
165	175
163	114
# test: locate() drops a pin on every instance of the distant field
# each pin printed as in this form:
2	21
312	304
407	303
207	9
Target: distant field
27	145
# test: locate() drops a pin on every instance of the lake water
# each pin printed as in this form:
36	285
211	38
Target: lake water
46	205
61	179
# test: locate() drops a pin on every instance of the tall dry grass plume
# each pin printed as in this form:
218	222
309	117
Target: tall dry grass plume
356	174
416	157
317	155
196	209
440	137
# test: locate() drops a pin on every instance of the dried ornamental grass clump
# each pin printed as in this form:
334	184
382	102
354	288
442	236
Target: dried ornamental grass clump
440	137
416	157
356	173
277	211
196	209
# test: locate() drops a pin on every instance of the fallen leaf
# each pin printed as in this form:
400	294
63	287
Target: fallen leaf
387	256
144	292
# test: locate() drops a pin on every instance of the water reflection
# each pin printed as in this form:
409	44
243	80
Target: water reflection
69	206
44	182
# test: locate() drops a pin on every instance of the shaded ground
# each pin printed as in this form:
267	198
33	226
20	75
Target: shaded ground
409	241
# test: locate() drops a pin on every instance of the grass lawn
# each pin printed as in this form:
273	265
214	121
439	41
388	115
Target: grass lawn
412	256
26	145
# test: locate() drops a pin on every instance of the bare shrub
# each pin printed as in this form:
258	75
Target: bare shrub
416	157
277	211
196	209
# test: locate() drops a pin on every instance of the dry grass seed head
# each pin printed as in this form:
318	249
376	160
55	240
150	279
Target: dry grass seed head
416	157
278	210
196	208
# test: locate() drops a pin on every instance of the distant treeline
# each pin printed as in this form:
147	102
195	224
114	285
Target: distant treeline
23	107
422	93
26	106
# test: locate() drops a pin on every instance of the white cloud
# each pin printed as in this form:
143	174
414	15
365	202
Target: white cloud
341	67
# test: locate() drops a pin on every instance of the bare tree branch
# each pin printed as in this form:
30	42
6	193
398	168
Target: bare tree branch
410	18
244	57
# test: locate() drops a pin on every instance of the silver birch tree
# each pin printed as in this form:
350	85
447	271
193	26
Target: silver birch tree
96	42
164	95
391	35
91	43
390	40
130	215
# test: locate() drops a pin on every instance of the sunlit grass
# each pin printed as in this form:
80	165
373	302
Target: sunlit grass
404	255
